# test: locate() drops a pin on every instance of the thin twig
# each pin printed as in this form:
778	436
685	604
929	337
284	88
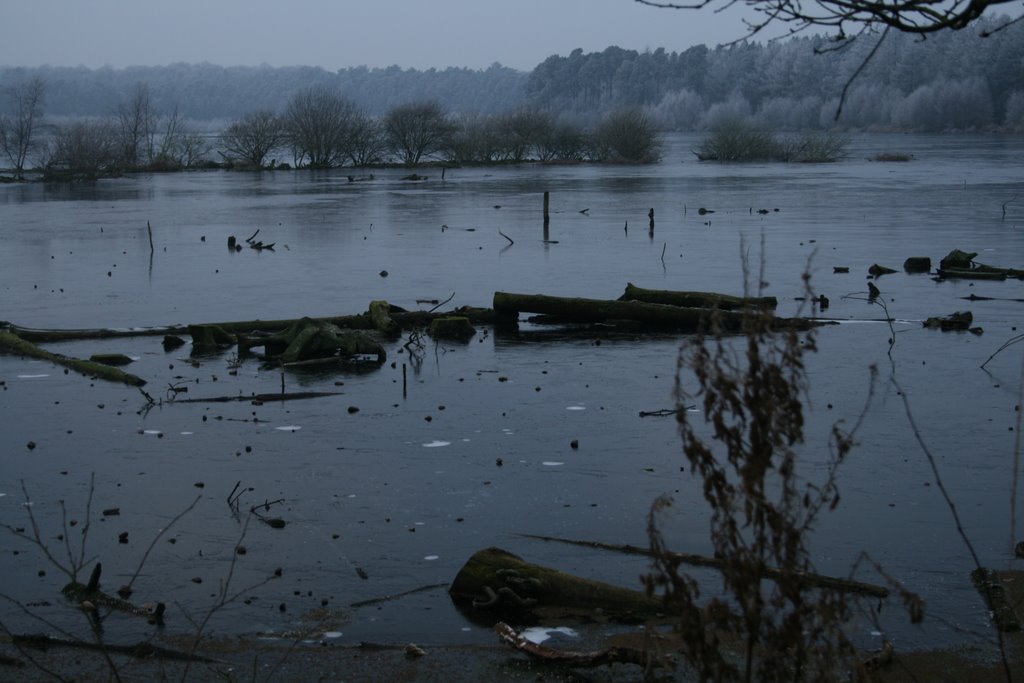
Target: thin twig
949	503
156	538
442	303
510	242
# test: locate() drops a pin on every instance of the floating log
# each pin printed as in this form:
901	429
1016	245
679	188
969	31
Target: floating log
12	343
507	306
495	584
724	302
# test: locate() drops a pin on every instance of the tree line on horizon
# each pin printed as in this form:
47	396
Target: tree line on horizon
319	128
955	80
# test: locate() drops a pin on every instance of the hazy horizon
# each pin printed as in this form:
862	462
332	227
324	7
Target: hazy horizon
335	35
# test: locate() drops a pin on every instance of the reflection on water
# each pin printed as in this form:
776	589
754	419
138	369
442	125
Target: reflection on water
385	492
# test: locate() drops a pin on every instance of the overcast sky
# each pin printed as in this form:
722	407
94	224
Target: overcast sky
341	33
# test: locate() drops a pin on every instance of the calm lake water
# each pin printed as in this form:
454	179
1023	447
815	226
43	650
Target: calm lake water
398	495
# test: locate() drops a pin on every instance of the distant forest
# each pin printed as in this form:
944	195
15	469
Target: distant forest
951	81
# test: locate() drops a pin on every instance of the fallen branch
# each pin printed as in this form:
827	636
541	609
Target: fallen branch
387	598
143	650
12	343
262	398
816	580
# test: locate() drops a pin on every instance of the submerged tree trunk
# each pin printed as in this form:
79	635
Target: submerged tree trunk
507	307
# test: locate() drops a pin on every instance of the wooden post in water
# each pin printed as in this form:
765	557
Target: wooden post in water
650	215
547	215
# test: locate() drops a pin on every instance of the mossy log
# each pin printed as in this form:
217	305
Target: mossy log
12	343
723	302
380	315
507	306
310	339
496	585
455	327
210	337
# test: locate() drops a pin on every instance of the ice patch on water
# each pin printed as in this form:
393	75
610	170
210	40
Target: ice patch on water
437	444
430	558
576	407
333	634
538	634
33	376
187	433
288	428
152	432
552	463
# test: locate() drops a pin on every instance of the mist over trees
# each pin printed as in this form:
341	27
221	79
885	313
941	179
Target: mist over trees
567	108
911	84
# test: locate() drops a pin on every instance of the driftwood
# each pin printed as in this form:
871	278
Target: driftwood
496	583
724	302
359	321
141	650
90	597
317	340
260	398
961	320
12	343
961	264
550	655
816	580
507	307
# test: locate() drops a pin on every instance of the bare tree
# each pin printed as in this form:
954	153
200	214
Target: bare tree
416	129
524	131
367	144
319	123
17	131
252	138
137	122
909	16
84	151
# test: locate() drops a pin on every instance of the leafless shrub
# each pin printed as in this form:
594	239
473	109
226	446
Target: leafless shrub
750	391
